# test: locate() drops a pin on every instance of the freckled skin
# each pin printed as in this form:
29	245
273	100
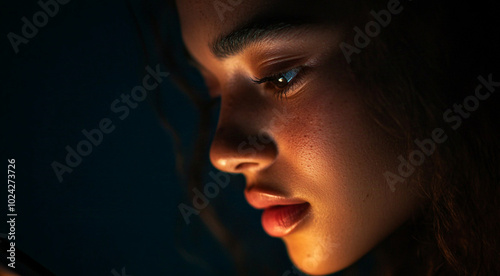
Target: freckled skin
327	151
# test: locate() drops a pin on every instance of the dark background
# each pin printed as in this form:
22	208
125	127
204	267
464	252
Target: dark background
117	212
119	208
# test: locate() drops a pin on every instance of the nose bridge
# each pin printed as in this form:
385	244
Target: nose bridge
241	142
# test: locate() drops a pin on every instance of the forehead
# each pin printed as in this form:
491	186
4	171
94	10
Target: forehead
204	21
209	15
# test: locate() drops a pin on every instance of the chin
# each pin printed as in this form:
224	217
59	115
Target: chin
321	267
315	257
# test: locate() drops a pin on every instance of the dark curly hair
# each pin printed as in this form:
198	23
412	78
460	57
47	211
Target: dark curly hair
428	60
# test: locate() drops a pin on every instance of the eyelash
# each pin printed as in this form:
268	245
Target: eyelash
280	92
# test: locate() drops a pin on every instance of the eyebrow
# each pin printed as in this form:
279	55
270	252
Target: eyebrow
256	31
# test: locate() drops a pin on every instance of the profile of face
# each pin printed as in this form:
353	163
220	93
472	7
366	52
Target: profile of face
293	122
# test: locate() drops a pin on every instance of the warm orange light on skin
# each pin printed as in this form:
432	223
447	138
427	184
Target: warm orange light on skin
328	151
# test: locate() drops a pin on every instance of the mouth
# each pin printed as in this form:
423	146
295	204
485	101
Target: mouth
281	214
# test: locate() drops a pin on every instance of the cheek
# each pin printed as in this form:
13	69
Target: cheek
339	155
332	139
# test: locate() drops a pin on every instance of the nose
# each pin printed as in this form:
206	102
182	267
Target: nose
241	143
235	150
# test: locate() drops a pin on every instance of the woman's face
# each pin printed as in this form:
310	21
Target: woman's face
313	157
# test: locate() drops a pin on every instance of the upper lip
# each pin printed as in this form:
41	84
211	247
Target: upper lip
261	198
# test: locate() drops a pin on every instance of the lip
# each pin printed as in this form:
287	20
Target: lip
281	214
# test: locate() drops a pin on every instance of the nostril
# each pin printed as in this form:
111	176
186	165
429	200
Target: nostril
246	165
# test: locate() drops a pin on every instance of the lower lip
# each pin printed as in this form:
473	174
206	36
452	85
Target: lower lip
279	221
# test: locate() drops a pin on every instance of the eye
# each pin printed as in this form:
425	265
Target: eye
282	82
